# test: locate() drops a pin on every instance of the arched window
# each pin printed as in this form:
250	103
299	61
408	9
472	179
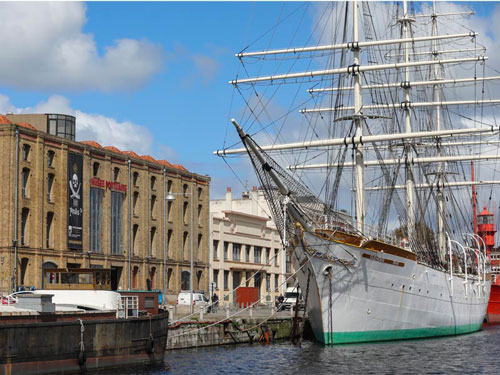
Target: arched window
153	182
185	280
24	266
153	201
169	277
116	174
169	242
135	248
95	169
185	190
198	279
50	218
134	203
26	152
184	245
25	177
152	246
184	212
50	184
24	225
50	158
152	274
135	277
135	178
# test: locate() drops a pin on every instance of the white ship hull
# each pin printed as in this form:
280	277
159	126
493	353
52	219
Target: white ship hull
383	295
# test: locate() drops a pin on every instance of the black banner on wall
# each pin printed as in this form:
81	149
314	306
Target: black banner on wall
75	201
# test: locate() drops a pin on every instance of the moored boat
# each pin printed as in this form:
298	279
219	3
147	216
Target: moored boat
405	262
38	336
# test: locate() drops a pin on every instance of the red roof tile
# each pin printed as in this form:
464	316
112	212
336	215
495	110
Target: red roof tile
166	163
26	125
132	153
113	148
4	120
178	166
149	158
92	143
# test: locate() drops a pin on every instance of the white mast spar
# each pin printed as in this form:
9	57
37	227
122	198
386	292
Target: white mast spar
360	204
441	208
410	183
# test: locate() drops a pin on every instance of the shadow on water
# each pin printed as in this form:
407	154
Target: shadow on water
476	353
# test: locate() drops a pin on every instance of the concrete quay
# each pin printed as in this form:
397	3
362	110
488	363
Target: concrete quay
229	326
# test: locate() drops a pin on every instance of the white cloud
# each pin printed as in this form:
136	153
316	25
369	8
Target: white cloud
107	131
44	47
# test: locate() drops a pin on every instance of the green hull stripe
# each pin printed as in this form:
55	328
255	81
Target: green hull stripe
384	335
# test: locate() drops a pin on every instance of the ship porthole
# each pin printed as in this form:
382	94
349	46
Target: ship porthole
327	270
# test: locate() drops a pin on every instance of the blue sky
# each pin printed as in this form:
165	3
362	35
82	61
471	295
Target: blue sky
173	103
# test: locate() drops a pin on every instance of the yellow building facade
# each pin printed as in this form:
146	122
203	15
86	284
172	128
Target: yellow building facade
70	204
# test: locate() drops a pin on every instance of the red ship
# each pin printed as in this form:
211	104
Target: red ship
485	228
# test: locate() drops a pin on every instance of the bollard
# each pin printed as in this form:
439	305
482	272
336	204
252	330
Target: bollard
202	308
251	311
272	309
291	310
227	312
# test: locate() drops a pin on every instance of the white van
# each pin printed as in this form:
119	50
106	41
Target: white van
199	298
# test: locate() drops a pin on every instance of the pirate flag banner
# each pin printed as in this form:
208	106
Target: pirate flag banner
75	200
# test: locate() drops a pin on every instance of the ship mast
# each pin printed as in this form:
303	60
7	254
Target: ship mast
360	204
440	173
410	183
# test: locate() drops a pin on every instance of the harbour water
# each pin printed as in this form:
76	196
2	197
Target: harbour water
477	353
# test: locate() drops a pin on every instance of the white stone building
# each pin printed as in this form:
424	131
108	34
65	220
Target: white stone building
245	240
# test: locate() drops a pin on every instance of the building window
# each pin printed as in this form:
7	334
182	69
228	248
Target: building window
95	169
200	238
50	184
288	264
116	174
236	252
276	257
184	190
199	214
135	278
169	185
185	245
247	253
200	190
62	126
268	282
116	222
276	282
24	225
226	280
257	254
198	278
25	177
268	253
185	279
169	209
169	242
50	158
216	278
135	178
152	247
153	182
216	249
26	152
184	212
96	196
135	248
226	250
50	217
135	198
153	201
169	277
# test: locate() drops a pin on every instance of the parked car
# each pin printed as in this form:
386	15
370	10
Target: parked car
199	298
290	301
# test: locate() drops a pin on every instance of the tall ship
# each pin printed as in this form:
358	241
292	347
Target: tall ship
362	138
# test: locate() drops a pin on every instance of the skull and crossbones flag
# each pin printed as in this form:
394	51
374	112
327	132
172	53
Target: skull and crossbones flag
75	200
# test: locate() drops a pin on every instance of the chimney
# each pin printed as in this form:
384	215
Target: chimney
254	188
229	194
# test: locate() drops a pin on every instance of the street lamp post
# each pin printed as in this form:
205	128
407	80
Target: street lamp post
171	197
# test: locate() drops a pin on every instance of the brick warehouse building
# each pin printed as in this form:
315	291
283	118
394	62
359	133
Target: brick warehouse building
83	205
